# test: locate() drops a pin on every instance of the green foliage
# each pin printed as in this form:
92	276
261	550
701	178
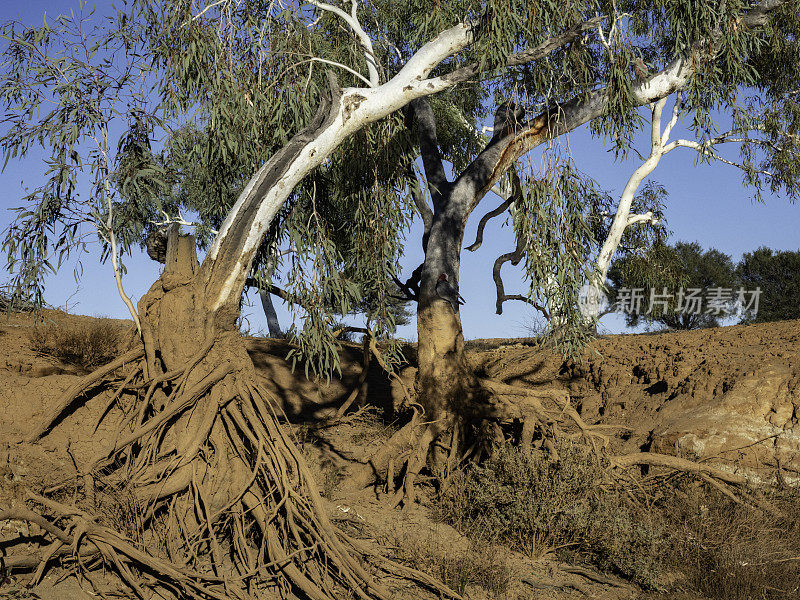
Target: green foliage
65	87
557	219
533	503
684	265
777	274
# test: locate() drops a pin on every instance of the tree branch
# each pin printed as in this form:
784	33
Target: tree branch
270	289
340	66
411	287
484	220
514	258
516	193
622	218
520	58
366	42
643	218
429	146
109	234
707	150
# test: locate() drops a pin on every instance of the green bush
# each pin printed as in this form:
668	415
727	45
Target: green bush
531	502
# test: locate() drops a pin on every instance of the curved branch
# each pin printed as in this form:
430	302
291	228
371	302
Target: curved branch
514	258
338	65
484	220
516	193
270	289
527	300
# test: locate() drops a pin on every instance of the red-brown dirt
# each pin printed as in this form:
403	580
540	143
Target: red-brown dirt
730	395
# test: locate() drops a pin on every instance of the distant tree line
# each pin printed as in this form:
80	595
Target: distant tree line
683	286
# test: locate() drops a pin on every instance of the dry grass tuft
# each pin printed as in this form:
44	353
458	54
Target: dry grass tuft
478	564
88	343
732	552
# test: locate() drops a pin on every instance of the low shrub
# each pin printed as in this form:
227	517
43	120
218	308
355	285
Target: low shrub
85	343
536	505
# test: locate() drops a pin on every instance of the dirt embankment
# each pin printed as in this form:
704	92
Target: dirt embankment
731	395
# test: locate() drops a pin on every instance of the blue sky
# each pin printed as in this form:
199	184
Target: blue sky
706	203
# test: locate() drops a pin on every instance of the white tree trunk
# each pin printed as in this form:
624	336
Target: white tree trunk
622	218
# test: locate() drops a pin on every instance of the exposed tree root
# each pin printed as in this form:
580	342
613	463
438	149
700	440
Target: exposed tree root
721	480
228	507
81	388
225	494
538	418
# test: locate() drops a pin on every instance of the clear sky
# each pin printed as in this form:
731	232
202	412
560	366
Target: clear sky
706	203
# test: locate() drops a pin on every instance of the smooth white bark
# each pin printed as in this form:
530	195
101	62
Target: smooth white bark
359	106
623	218
363	38
356	108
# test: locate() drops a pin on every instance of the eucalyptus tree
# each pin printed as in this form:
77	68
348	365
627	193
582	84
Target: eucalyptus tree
776	273
644	246
728	64
205	449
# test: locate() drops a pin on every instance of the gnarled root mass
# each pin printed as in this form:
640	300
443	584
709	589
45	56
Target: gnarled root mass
541	419
228	507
